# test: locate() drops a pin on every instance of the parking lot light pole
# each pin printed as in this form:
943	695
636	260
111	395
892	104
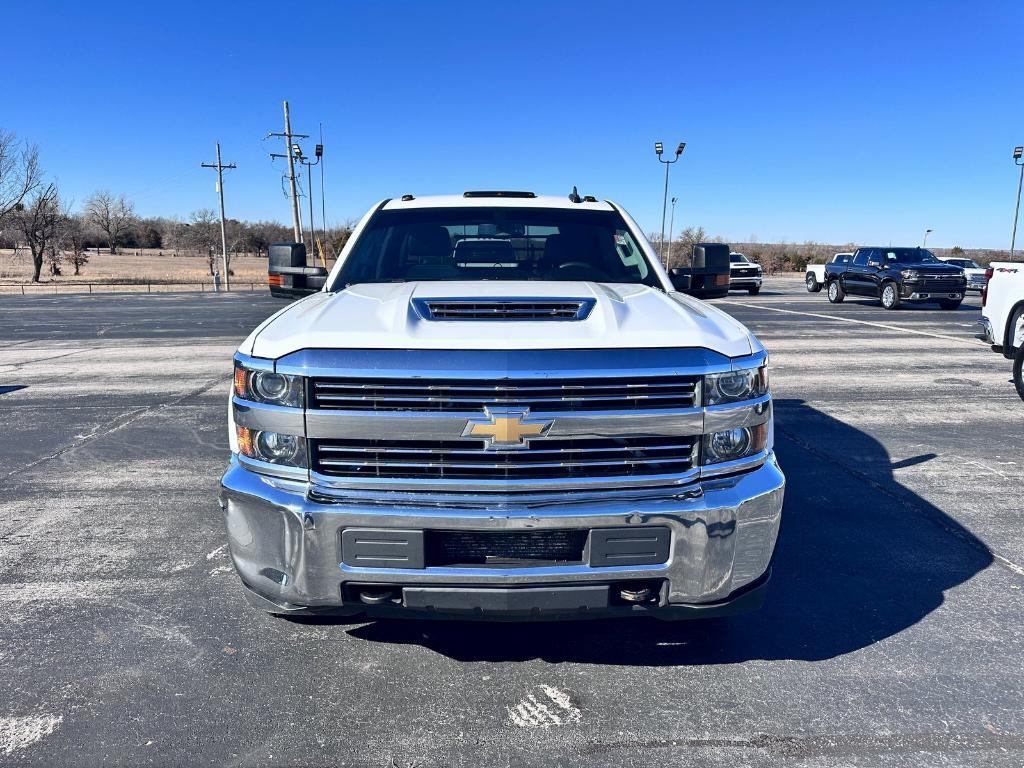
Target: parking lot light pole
671	225
659	148
927	232
1018	152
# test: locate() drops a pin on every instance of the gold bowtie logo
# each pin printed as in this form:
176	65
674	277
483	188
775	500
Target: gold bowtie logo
506	428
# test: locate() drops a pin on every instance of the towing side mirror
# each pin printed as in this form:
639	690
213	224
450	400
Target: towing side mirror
681	278
287	273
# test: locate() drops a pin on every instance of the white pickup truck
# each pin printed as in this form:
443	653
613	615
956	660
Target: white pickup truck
498	406
815	277
1002	314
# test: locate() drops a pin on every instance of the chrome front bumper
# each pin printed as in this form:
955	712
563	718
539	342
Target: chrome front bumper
745	282
287	546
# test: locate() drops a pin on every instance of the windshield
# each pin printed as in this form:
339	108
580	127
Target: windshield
444	244
908	256
964	263
738	258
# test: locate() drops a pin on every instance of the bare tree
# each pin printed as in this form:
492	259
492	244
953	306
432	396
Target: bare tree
204	234
682	251
19	172
39	223
72	237
112	216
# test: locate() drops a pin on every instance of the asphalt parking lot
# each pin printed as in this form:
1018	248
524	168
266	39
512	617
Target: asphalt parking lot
892	635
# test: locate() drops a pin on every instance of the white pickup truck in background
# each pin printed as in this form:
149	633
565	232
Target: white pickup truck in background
815	277
1002	314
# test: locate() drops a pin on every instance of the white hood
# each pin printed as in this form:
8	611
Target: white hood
381	316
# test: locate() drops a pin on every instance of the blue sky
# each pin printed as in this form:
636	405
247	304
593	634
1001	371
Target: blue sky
832	122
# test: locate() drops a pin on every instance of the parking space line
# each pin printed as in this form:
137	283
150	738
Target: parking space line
903	329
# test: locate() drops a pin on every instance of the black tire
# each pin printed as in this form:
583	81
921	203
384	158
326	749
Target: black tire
950	304
813	286
836	294
1018	372
754	291
890	296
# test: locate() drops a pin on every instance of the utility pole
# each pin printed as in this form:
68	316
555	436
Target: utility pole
289	153
303	160
223	233
323	199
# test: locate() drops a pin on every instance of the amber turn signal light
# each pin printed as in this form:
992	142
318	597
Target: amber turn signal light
245	441
240	381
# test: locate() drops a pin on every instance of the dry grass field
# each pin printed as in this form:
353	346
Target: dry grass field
129	270
141	270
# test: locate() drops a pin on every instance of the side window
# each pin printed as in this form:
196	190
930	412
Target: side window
843	260
861	257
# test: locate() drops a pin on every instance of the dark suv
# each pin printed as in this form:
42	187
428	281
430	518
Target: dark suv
894	275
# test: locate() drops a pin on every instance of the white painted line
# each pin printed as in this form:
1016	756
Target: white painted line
900	328
217	551
545	707
1008	564
20	732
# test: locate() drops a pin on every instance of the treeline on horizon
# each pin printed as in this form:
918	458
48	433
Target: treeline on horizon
794	257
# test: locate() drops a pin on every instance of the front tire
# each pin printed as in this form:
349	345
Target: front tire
813	286
836	294
950	304
1018	372
890	296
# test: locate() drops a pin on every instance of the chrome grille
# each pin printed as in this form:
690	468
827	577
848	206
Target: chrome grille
940	283
467	459
504	309
539	395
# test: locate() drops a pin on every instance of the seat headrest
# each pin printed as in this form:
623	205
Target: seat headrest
429	241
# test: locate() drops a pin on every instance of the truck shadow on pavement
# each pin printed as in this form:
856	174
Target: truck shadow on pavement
859	559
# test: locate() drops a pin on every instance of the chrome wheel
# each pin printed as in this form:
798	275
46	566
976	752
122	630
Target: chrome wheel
889	296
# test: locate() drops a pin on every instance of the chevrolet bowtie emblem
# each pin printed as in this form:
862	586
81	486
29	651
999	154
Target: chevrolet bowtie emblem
506	428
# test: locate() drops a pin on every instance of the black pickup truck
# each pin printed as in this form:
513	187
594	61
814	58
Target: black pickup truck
894	275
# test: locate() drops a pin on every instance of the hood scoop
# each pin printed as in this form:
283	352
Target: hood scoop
504	309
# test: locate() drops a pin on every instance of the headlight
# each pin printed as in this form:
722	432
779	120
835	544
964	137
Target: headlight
735	386
268	387
273	447
909	274
735	443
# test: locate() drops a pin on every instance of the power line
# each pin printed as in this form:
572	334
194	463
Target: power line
223	233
